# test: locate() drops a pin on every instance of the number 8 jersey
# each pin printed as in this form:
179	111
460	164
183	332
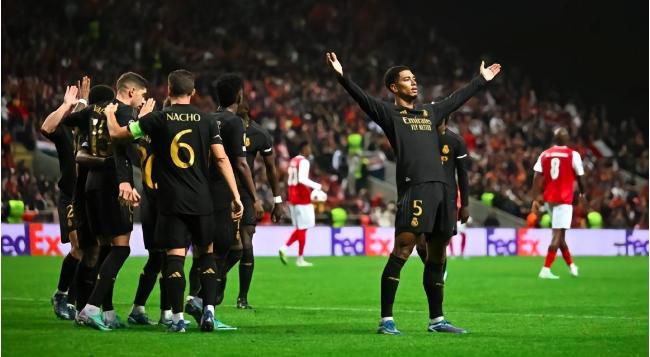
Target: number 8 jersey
559	165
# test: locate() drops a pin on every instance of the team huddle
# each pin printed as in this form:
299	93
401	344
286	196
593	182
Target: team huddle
199	194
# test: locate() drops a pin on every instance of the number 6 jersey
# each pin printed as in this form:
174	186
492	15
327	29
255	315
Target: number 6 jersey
181	137
559	165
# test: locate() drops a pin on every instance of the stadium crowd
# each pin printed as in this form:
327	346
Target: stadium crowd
293	95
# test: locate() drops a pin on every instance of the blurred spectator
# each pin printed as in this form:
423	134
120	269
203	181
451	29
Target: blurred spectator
293	95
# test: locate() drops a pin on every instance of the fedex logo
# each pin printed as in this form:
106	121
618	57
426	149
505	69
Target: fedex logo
42	243
347	241
379	241
30	239
501	241
15	240
528	241
636	243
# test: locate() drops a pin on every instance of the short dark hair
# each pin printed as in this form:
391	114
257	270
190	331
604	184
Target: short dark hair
228	87
181	82
100	93
392	75
131	78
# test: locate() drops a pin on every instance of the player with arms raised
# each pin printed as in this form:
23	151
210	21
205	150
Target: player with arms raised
422	184
556	172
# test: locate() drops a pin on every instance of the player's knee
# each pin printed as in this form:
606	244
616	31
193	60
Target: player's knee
403	253
247	256
121	240
90	256
237	245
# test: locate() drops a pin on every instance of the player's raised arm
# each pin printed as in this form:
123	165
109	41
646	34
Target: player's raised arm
459	97
83	95
370	105
225	168
54	119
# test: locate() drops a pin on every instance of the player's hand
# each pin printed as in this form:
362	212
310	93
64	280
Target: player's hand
334	63
147	107
535	207
84	88
278	212
237	209
70	96
128	196
259	209
463	214
110	109
490	72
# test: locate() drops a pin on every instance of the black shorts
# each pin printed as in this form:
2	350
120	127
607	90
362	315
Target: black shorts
149	218
425	208
248	219
106	216
67	222
87	239
225	235
181	230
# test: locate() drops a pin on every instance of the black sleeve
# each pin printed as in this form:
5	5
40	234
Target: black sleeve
462	164
215	133
78	119
458	98
373	107
267	145
236	135
56	135
151	122
122	152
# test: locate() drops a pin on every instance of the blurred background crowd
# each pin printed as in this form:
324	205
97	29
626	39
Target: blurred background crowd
279	49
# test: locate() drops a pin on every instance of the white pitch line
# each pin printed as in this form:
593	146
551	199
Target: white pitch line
352	309
355	309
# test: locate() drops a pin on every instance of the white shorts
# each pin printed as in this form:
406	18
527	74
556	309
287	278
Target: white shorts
302	216
561	216
460	227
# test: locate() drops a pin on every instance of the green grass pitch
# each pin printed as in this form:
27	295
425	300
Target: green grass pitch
332	309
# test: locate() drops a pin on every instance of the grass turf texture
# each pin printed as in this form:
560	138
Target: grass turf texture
333	309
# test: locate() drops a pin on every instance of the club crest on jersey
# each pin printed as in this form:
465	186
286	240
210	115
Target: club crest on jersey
414	222
247	142
445	149
425	113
